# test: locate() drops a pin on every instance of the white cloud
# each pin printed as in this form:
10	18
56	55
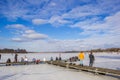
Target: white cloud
32	9
29	31
109	6
54	20
24	34
86	24
68	45
39	21
83	11
79	13
30	34
57	19
16	26
92	42
101	7
101	35
36	2
108	25
53	4
17	39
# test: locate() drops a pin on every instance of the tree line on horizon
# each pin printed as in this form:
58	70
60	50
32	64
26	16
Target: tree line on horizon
106	50
98	50
6	50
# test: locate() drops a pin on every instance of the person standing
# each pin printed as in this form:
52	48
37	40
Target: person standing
81	57
60	58
92	58
22	59
34	60
16	55
26	60
51	59
56	58
44	59
0	56
8	62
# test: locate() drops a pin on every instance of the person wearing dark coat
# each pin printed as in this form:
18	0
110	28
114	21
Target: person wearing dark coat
8	62
16	55
0	56
60	58
56	58
51	59
92	58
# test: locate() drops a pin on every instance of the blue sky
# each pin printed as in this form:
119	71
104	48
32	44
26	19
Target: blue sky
59	25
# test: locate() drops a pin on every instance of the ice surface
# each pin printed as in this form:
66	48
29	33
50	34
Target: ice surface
50	72
47	72
105	60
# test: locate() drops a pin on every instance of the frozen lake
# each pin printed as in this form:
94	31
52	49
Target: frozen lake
51	72
105	60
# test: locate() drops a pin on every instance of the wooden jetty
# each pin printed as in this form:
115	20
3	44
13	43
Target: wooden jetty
19	63
96	70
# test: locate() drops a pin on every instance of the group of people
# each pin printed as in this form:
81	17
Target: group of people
56	59
81	57
23	59
9	60
73	59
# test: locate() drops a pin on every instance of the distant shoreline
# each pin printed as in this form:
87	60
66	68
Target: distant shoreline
23	51
58	52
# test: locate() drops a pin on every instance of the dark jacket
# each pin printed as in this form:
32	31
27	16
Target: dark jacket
92	58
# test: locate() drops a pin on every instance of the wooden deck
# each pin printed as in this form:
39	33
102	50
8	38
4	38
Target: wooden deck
18	63
96	70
